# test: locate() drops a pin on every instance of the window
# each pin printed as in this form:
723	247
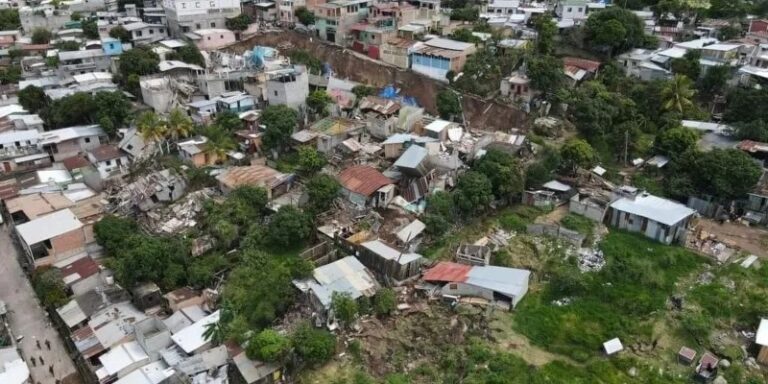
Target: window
1	146
570	9
578	10
275	93
209	37
197	26
221	37
183	5
197	4
212	4
138	33
129	147
18	144
162	30
151	31
453	286
108	162
213	25
87	140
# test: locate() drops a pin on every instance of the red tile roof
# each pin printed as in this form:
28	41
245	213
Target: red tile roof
363	179
446	271
587	65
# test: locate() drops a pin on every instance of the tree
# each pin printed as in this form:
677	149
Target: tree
577	153
344	308
727	174
239	22
677	94
465	14
268	345
78	108
10	75
90	28
546	29
473	192
143	258
138	61
112	110
310	160
304	15
756	130
112	232
188	54
448	105
724	9
730	32
318	101
120	33
219	144
203	271
439	213
280	121
361	91
289	227
32	98
676	141
504	172
49	287
322	190
714	80
179	124
384	302
151	127
41	36
546	73
215	332
9	19
741	102
314	346
465	35
614	30
688	65
229	121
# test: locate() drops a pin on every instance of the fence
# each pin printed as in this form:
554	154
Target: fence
557	231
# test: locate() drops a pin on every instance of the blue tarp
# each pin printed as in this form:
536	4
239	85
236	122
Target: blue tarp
259	53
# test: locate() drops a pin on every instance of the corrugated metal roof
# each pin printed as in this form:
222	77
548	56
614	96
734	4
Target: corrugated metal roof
389	253
191	338
411	231
346	275
412	157
71	314
446	271
363	179
448	44
508	281
654	208
152	373
122	356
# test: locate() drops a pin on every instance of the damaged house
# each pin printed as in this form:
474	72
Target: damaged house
500	286
380	115
552	193
389	262
364	185
332	131
149	191
274	182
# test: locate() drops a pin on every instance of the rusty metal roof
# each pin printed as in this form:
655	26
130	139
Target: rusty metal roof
446	271
363	179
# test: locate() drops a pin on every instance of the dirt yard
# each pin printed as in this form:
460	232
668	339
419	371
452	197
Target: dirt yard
750	239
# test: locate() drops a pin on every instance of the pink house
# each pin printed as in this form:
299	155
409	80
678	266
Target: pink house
211	39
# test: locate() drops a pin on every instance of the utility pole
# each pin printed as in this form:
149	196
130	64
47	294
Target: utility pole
626	146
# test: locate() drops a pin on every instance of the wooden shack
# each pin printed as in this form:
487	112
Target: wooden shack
387	261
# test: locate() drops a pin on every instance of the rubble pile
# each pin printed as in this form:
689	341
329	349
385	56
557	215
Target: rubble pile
590	259
181	215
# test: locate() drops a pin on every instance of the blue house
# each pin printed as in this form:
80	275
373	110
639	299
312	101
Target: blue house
236	102
112	46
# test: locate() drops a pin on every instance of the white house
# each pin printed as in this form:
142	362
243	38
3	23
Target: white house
109	160
657	218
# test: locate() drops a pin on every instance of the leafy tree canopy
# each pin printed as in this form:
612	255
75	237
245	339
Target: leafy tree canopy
120	33
32	98
289	227
504	171
304	15
41	36
615	30
473	192
268	345
188	54
448	105
238	23
280	121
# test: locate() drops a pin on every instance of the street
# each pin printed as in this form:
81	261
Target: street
28	319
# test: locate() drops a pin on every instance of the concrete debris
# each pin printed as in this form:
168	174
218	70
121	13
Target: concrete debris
497	240
590	259
180	216
562	302
705	278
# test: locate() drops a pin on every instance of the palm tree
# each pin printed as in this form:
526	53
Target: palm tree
151	127
677	95
219	143
179	124
215	332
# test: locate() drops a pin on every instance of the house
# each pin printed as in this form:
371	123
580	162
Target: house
190	15
121	360
67	142
577	69
436	57
274	182
112	46
184	317
552	193
16	147
194	150
143	33
438	129
288	87
381	115
236	102
52	237
78	62
395	145
149	191
657	218
331	131
256	372
153	373
109	160
147	297
334	19
413	162
364	185
394	51
387	261
191	339
13	369
637	63
757	202
572	9
590	204
28	207
135	146
343	276
761	339
211	39
80	275
182	298
380	26
500	286
517	87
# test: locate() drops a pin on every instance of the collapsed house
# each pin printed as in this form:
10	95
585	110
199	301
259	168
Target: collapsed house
161	187
389	262
365	186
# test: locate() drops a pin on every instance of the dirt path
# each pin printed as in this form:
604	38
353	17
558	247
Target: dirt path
750	239
28	319
553	217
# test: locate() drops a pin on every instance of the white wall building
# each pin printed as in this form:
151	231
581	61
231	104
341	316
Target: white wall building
191	15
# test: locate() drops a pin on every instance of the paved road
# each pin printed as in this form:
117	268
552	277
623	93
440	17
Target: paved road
27	318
